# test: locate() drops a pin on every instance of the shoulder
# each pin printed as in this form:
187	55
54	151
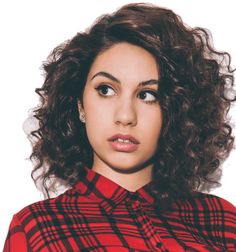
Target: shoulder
207	210
29	221
45	210
212	216
213	202
207	203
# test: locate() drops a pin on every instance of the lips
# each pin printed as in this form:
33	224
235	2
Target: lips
123	137
123	143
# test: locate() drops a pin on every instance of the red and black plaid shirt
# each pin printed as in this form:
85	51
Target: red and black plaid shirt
99	215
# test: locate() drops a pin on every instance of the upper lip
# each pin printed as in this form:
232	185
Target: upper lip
125	137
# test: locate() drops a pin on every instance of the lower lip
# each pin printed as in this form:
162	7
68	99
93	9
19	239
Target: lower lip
124	147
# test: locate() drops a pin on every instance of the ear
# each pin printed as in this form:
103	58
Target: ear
81	111
80	106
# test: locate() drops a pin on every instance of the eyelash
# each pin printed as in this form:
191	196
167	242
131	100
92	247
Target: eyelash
155	94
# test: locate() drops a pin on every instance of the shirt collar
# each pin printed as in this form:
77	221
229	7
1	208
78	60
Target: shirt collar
108	193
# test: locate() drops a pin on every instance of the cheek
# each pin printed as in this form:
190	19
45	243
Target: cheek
151	124
97	113
98	120
153	137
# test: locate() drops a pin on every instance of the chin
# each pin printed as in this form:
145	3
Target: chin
127	167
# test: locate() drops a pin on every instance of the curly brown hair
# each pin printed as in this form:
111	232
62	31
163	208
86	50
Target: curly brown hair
195	95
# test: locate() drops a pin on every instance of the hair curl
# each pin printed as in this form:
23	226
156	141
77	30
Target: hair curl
195	86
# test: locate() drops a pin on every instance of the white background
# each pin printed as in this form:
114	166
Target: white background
29	30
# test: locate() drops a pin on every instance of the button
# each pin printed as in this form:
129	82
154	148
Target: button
136	205
133	196
158	245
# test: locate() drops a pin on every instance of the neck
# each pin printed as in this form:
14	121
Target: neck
130	181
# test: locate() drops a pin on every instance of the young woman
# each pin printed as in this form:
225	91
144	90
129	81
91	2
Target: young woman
133	118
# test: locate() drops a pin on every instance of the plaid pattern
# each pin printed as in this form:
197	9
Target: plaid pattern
99	215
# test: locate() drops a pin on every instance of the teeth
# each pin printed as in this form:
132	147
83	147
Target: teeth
123	140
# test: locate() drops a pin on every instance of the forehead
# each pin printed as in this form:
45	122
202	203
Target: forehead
126	61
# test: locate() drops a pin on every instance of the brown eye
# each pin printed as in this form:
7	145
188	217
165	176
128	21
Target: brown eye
148	96
105	90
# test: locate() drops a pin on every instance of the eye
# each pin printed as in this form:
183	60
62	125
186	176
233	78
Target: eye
148	96
105	90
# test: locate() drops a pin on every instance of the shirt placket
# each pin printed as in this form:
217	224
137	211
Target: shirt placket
145	226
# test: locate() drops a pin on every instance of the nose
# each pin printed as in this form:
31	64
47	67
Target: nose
126	113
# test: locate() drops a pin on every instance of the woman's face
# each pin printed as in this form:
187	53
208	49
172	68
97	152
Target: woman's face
122	115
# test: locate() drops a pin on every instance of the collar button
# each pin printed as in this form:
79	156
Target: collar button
136	205
158	245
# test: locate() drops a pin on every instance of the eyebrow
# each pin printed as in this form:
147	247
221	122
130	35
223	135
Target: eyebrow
111	77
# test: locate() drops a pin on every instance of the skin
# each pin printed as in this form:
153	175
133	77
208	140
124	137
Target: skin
123	108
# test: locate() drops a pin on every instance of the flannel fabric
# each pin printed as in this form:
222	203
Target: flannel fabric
99	215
